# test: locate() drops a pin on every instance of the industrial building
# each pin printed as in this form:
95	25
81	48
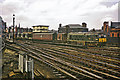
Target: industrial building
19	32
115	29
40	28
112	32
42	32
24	32
72	28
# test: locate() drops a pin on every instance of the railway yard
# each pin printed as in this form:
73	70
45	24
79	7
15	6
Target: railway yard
60	48
64	62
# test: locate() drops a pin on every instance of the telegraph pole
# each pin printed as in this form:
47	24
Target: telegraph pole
13	26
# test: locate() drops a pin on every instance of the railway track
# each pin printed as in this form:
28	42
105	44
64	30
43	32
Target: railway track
93	55
103	52
76	66
42	59
108	65
2	46
56	62
110	70
95	66
90	58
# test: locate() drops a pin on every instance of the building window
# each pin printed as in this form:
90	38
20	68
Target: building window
112	34
118	35
37	29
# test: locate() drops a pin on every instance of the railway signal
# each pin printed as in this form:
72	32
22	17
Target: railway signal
13	26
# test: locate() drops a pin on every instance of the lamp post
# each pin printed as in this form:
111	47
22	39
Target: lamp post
13	25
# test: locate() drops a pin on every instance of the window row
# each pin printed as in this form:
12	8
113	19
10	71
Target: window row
38	29
115	35
82	37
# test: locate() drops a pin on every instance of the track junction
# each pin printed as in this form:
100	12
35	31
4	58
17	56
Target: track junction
73	62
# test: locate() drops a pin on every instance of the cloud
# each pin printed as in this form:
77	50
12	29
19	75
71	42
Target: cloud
53	12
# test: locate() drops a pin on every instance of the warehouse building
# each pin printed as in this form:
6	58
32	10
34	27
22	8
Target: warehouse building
72	28
113	32
42	32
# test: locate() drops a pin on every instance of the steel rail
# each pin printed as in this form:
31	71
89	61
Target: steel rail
103	73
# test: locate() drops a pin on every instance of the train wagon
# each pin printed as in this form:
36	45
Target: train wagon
44	36
24	35
83	38
102	39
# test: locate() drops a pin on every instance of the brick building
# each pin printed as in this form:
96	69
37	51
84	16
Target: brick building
112	32
19	32
115	29
23	32
72	28
106	28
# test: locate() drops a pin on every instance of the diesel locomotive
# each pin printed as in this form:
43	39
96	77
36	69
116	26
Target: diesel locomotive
87	38
79	38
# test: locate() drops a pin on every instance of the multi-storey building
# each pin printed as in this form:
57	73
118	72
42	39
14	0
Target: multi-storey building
73	28
115	29
23	32
19	32
40	29
112	32
106	28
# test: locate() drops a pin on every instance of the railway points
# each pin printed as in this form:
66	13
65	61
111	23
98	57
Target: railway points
67	62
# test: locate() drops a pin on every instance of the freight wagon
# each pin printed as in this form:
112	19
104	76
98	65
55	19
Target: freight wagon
86	38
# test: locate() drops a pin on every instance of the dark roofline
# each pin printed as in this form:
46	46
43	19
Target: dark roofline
40	26
73	24
115	24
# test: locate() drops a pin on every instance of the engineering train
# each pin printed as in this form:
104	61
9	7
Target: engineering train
87	38
79	38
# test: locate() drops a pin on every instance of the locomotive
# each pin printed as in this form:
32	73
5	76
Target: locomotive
79	38
102	39
87	38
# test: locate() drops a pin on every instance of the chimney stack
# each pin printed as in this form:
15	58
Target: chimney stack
60	25
106	27
84	24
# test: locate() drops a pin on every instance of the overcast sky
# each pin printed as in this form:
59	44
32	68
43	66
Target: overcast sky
53	12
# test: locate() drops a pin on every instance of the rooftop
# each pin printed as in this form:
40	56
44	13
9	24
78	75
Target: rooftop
41	26
74	26
115	24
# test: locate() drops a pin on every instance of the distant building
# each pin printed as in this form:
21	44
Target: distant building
2	27
106	28
23	32
40	28
19	32
112	32
10	32
95	30
3	24
72	28
52	31
115	29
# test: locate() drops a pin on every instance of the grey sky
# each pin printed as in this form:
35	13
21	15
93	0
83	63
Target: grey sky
53	12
